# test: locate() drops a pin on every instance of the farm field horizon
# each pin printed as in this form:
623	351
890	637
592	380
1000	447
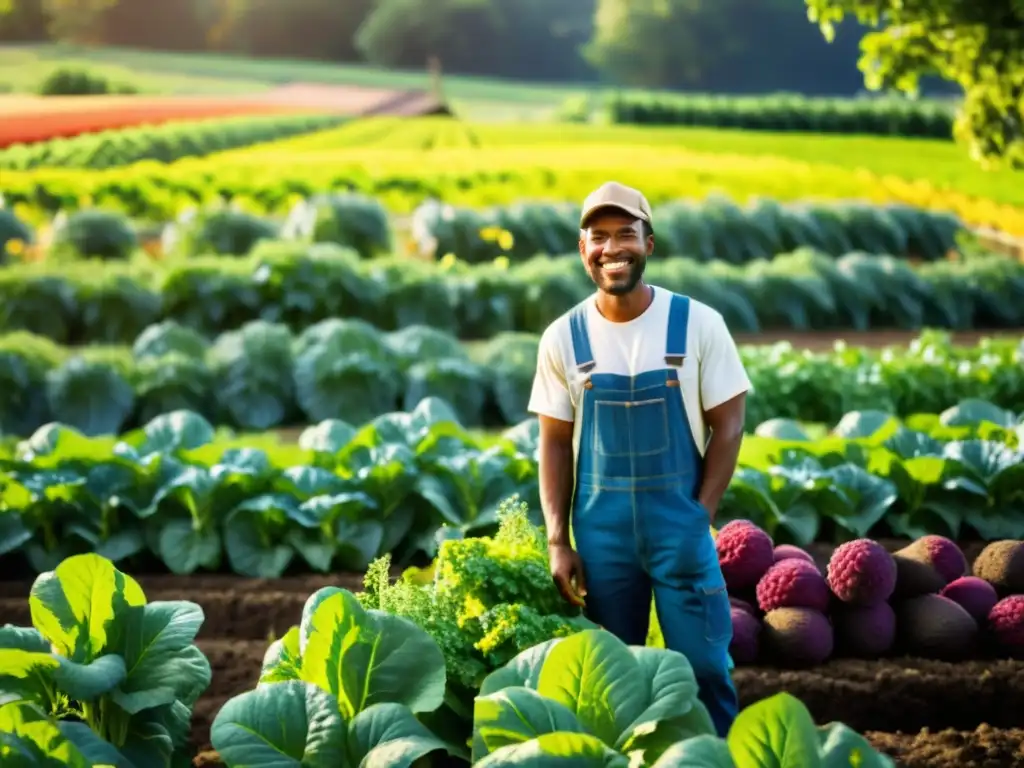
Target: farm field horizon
272	365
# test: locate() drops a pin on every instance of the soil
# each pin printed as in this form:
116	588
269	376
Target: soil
925	714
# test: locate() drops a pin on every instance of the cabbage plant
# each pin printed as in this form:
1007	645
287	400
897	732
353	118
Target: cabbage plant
590	700
341	689
103	677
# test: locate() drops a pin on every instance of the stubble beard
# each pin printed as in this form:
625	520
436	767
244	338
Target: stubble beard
620	287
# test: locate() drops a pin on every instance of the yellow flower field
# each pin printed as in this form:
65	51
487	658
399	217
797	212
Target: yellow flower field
401	161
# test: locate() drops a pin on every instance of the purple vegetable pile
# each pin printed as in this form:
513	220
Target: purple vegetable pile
923	600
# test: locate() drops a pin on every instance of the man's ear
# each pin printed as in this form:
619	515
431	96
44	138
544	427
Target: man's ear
650	245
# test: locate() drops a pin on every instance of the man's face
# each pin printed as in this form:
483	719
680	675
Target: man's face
614	251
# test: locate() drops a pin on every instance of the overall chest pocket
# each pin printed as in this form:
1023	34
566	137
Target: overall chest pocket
632	428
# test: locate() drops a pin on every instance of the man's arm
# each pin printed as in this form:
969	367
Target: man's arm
726	424
556	477
551	401
724	385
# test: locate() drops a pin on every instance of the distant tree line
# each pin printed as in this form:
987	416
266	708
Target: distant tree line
724	46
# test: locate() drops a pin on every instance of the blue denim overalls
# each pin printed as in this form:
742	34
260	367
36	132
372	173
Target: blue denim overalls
636	521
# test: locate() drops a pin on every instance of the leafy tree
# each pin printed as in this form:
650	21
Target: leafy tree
72	21
658	43
409	32
978	44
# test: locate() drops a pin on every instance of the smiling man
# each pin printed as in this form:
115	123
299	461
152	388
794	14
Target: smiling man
640	394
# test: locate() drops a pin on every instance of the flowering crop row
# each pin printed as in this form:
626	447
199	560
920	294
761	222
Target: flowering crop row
39	119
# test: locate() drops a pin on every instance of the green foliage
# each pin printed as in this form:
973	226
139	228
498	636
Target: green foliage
343	688
15	234
981	48
712	229
486	599
910	479
261	376
179	492
345	496
301	285
110	677
163	143
218	229
656	43
348	219
93	233
351	685
789	112
71	81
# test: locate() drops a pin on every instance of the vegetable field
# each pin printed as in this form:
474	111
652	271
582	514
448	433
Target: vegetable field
403	161
269	489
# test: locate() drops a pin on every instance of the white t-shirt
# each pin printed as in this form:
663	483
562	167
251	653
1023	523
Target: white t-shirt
713	371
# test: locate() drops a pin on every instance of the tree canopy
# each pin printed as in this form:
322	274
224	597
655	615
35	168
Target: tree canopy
978	44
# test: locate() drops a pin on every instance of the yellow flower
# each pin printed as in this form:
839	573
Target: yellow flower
15	246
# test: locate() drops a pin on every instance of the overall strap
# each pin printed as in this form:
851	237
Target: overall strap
581	338
678	328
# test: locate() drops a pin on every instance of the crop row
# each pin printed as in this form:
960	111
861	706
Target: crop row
41	119
709	230
789	112
174	494
586	695
299	285
163	143
496	165
262	376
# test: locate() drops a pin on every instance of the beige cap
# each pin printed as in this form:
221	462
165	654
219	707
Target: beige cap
614	195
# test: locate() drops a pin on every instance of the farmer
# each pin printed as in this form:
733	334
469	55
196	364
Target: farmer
628	385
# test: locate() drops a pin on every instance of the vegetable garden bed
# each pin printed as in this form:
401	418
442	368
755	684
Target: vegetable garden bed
879	697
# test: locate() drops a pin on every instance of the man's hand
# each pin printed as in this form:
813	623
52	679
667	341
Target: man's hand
567	571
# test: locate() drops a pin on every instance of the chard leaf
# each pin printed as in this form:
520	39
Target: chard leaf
699	752
184	548
93	748
176	431
842	748
159	737
516	715
76	606
523	670
286	725
389	736
369	657
867	497
282	661
25	638
162	663
777	732
26	675
87	682
37	738
612	688
251	536
556	750
13	533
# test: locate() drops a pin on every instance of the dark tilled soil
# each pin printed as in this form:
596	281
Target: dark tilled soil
983	747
